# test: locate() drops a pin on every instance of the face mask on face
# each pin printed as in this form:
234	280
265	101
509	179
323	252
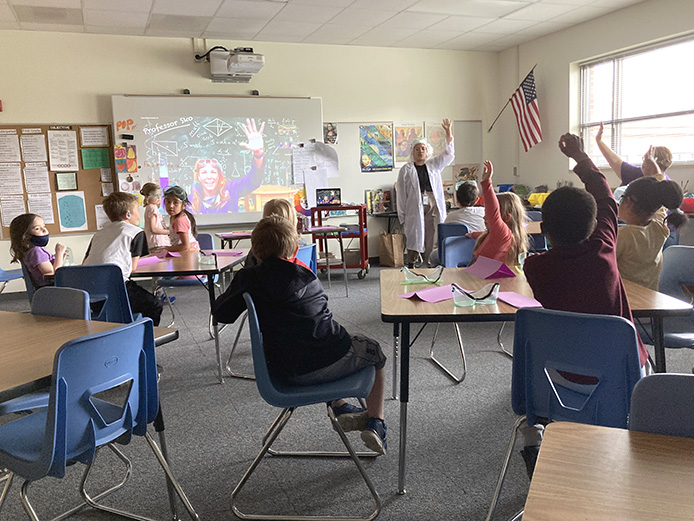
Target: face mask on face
40	240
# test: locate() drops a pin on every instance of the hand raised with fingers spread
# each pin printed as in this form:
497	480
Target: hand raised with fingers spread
488	171
649	167
446	124
598	136
572	146
254	137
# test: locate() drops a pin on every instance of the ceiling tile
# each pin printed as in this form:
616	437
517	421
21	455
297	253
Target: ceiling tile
340	33
9	26
541	11
383	37
62	28
413	20
6	14
581	15
249	9
178	24
578	3
505	26
468	41
307	13
334	3
233	25
427	39
383	5
48	15
282	38
133	6
543	28
186	7
172	33
282	28
480	8
98	18
616	4
370	18
73	4
127	31
240	34
462	24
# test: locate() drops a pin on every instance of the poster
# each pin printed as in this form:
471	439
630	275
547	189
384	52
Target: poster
42	204
72	211
10	207
467	172
95	158
126	159
436	137
33	148
62	150
9	145
36	178
330	133
94	137
405	134
376	144
11	179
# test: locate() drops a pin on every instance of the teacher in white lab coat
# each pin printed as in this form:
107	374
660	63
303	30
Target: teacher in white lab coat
420	201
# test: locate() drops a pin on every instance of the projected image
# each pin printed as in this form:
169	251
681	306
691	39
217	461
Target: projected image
227	165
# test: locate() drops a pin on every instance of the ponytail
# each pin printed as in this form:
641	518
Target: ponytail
648	195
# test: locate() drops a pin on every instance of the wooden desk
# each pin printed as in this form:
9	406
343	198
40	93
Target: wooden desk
330	232
189	264
533	228
403	312
228	238
600	473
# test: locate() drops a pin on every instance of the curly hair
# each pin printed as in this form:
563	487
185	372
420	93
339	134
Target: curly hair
20	238
197	190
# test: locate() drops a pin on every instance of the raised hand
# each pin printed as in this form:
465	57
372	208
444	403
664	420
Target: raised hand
254	138
649	167
571	145
598	136
446	124
488	171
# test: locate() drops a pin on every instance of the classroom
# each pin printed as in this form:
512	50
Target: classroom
54	77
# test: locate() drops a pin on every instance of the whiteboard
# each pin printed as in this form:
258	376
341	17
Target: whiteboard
174	135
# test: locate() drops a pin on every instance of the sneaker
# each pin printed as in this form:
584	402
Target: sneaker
374	436
530	457
351	417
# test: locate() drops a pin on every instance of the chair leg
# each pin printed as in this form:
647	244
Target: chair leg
7	477
271	436
168	302
438	364
233	348
504	468
498	341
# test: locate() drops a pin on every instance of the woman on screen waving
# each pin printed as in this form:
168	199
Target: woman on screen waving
212	193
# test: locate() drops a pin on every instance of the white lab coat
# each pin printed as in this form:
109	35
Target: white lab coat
409	198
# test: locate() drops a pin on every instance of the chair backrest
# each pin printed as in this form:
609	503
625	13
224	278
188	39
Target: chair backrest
28	282
534	215
551	347
61	302
676	271
99	393
307	255
663	404
205	241
456	251
448	230
106	287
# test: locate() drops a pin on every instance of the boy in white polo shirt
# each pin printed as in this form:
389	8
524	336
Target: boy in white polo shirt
122	242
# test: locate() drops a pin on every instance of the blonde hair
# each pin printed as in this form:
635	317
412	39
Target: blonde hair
281	207
149	193
663	157
513	213
274	236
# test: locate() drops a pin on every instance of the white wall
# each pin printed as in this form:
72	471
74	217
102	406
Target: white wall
69	78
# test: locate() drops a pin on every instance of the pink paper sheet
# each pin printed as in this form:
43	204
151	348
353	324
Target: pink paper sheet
162	254
432	295
147	261
486	268
517	300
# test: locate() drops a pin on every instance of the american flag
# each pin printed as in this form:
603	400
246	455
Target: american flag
524	102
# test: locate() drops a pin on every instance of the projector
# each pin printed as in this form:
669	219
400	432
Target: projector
236	66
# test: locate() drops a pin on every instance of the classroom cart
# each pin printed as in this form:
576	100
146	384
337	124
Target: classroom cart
357	258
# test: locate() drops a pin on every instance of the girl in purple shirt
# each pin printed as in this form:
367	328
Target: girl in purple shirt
28	236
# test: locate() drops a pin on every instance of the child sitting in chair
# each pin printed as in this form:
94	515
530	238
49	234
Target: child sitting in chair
303	344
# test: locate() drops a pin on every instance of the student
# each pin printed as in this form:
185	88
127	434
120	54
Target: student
283	208
157	235
505	238
182	229
303	344
579	273
468	214
122	242
28	236
626	171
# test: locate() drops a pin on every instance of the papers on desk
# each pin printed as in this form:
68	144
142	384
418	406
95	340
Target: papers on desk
486	268
148	261
517	300
437	294
162	254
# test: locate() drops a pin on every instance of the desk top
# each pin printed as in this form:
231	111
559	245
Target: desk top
644	302
234	235
188	264
30	342
588	472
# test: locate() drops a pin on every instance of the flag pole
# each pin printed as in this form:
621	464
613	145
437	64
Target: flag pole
507	102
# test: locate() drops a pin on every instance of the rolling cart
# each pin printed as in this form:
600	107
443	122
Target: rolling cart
356	258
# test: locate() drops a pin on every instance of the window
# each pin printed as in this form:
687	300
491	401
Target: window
643	98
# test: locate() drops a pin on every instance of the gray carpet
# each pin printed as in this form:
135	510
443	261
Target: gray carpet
456	439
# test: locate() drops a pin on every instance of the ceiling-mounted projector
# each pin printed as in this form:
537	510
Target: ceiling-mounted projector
235	66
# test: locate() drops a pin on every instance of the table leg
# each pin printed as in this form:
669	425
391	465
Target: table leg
396	333
215	329
344	263
658	343
327	258
404	398
159	428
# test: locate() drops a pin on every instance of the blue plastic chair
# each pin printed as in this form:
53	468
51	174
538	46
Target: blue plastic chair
28	282
289	397
445	230
8	275
662	404
307	255
106	287
548	342
81	416
456	251
538	243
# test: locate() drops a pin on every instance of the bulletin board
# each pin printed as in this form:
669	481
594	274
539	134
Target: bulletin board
60	172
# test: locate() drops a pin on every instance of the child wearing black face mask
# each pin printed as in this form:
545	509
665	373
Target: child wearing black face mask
28	236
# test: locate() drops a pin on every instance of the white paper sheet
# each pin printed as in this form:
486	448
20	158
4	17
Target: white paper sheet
11	179
94	136
9	145
326	159
72	212
106	176
106	189
101	217
10	207
303	160
36	178
42	204
314	180
62	149
33	148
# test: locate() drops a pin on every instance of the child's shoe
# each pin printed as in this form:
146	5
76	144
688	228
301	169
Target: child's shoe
374	436
350	417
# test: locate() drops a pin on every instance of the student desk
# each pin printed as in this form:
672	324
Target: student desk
403	312
600	473
330	232
28	350
228	238
189	264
